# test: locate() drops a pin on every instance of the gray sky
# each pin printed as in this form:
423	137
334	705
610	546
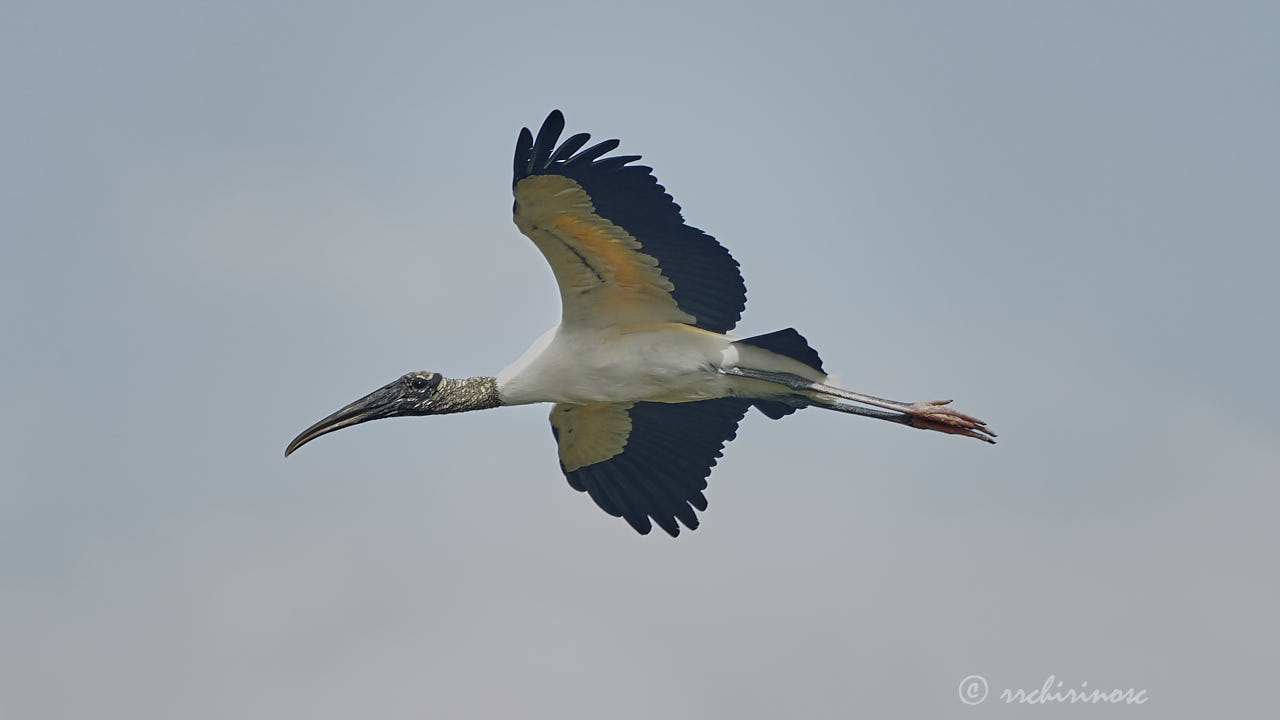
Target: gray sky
222	221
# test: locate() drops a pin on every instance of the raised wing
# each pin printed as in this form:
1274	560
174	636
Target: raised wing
616	241
645	460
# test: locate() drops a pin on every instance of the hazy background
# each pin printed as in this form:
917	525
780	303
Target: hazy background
223	221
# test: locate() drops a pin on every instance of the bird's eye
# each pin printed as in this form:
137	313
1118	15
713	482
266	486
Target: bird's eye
419	382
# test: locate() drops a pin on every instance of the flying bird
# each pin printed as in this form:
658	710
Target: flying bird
647	383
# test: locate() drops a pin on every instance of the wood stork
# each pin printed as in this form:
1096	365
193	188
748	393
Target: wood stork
647	383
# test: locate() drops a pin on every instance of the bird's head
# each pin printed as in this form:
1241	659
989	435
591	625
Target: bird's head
416	393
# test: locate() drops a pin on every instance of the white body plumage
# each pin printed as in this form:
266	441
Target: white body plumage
667	362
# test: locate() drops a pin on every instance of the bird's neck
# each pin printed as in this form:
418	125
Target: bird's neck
473	393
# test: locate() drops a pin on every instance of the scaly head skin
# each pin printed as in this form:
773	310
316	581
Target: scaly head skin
417	393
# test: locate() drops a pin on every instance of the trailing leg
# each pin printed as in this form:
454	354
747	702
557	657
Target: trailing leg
923	415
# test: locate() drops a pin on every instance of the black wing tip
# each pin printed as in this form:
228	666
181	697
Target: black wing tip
530	151
642	518
551	127
640	523
540	154
668	524
545	142
524	154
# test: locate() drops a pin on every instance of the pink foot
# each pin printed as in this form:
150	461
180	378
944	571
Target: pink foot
933	416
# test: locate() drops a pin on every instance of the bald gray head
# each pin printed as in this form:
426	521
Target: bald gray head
416	393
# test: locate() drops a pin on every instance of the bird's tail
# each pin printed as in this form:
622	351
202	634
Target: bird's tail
789	344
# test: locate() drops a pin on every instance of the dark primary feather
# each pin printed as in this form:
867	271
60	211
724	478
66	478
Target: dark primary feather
708	284
570	146
593	152
661	473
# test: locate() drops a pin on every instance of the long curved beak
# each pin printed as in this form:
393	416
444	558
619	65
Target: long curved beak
380	403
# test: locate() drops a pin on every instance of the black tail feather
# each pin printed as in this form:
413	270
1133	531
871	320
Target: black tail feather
789	343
